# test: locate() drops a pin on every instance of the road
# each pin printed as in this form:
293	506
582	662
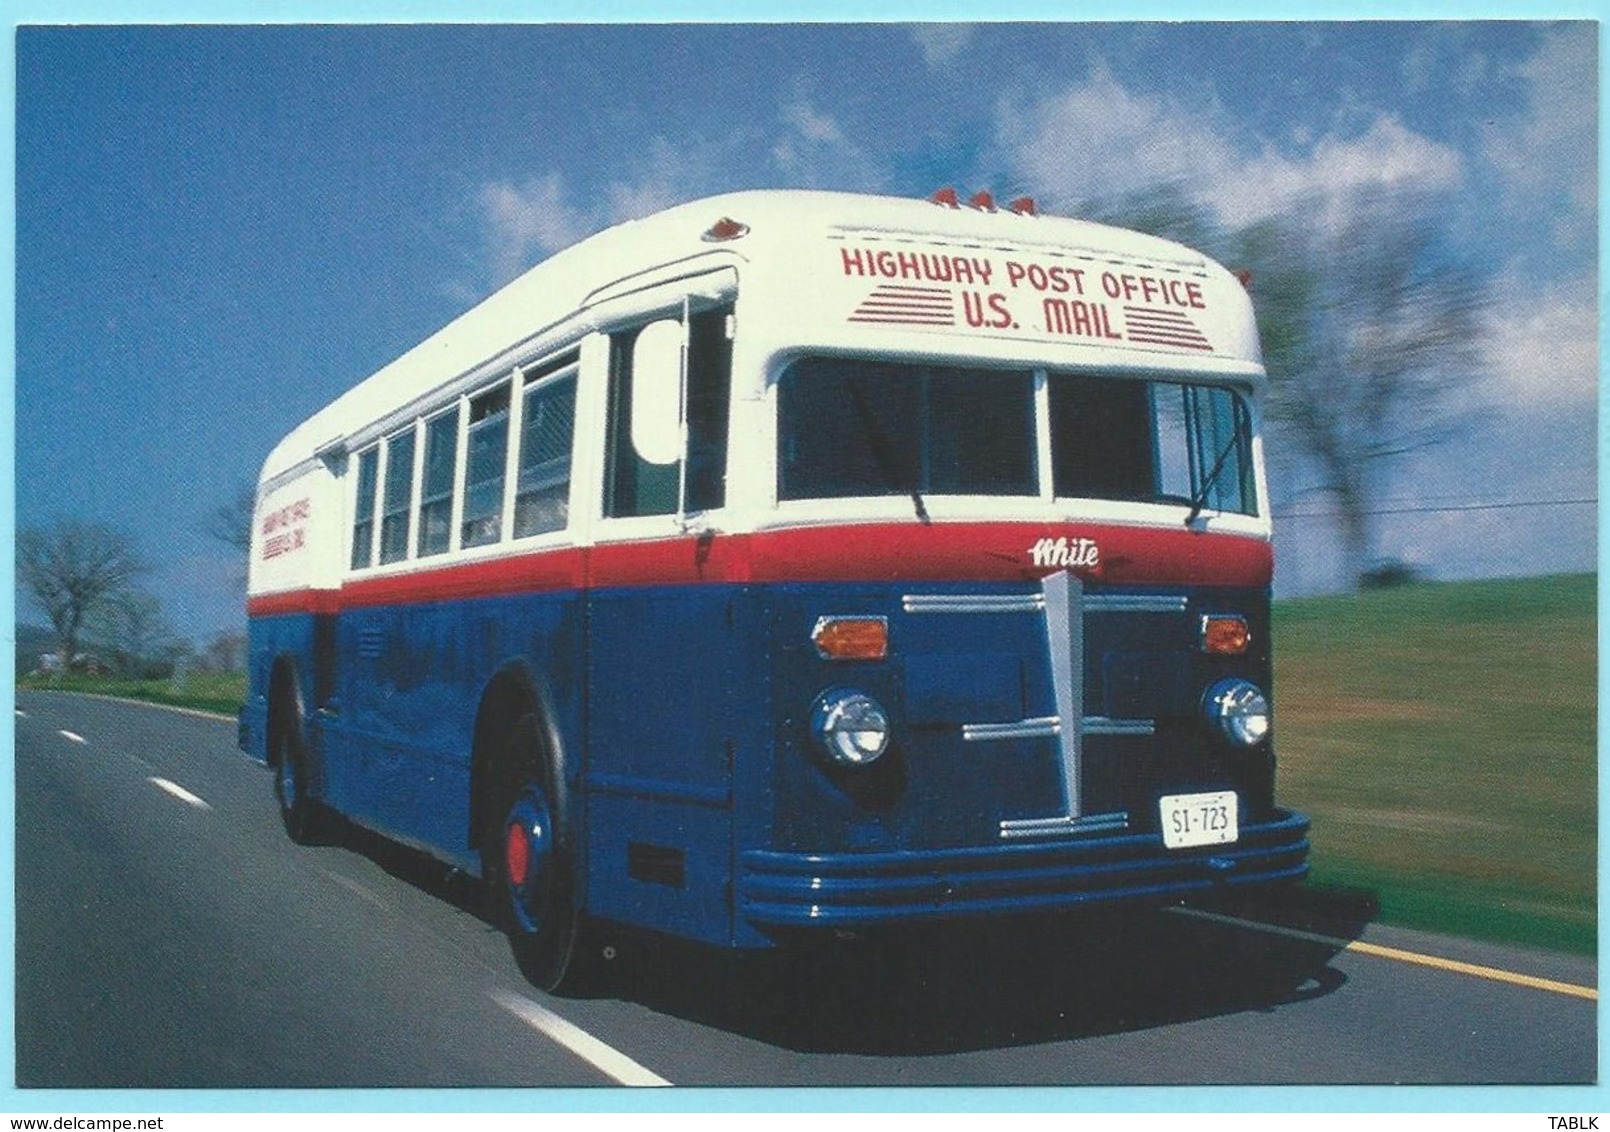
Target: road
168	935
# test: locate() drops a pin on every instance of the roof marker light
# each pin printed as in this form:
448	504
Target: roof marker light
947	197
1245	276
982	200
725	229
1024	206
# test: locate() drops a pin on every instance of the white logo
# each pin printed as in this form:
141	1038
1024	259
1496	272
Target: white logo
1078	552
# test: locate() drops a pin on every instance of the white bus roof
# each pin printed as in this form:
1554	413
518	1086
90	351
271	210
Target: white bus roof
780	223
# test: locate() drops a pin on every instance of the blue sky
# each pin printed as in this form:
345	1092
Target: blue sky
220	229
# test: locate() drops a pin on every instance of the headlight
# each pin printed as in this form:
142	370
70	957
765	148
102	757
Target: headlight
1240	711
852	727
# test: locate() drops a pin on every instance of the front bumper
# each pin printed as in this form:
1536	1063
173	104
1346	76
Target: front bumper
862	890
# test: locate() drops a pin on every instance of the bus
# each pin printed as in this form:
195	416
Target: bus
791	564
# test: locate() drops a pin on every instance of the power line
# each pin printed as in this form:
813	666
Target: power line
1424	510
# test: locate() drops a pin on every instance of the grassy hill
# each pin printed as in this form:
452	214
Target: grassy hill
1443	738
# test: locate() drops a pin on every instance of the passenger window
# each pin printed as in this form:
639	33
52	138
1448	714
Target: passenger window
547	424
486	451
398	501
363	509
436	486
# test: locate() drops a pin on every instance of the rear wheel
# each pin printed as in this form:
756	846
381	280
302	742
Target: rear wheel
526	857
299	810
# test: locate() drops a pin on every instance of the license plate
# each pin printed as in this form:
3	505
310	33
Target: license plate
1198	819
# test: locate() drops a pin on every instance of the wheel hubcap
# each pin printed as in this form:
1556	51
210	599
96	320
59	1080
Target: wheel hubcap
287	779
527	857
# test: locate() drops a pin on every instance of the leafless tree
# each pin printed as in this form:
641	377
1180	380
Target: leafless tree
231	522
133	625
73	569
1372	336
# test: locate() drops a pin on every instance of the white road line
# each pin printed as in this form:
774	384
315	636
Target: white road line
605	1058
20	713
178	792
1496	974
216	716
73	735
357	889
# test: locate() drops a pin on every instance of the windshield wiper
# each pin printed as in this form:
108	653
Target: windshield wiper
1200	498
882	456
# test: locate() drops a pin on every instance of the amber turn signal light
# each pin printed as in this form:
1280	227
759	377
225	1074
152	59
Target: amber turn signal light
1224	634
851	638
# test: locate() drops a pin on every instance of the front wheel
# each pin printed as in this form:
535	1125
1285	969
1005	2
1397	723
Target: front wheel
531	885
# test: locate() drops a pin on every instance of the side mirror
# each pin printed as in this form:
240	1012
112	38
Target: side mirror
657	392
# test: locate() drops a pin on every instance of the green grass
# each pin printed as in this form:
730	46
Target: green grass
204	691
1443	739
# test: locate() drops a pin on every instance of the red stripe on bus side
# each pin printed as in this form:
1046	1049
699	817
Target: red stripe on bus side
874	552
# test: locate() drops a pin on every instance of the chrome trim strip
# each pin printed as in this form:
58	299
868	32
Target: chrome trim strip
1041	728
1137	603
1064	826
972	603
1101	725
1064	631
1049	726
1035	603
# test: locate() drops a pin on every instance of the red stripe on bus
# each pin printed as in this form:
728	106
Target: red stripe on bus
873	552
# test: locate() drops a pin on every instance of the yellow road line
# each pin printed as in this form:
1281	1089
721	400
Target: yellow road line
1494	973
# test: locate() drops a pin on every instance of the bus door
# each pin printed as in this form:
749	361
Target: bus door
665	661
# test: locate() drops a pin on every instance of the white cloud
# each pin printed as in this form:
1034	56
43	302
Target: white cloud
1542	346
813	151
521	221
811	125
1547	154
1103	139
526	221
941	43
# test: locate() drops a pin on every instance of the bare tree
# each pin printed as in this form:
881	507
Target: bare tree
1372	333
73	570
231	522
132	624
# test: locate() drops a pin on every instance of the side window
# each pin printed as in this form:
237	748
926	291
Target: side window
436	486
397	502
1222	464
363	521
642	479
547	424
486	450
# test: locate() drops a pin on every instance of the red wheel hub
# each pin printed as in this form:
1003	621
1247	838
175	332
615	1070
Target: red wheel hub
517	855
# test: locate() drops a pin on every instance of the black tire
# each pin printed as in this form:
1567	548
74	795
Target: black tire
527	862
300	812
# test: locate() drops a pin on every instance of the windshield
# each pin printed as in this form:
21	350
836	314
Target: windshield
850	428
